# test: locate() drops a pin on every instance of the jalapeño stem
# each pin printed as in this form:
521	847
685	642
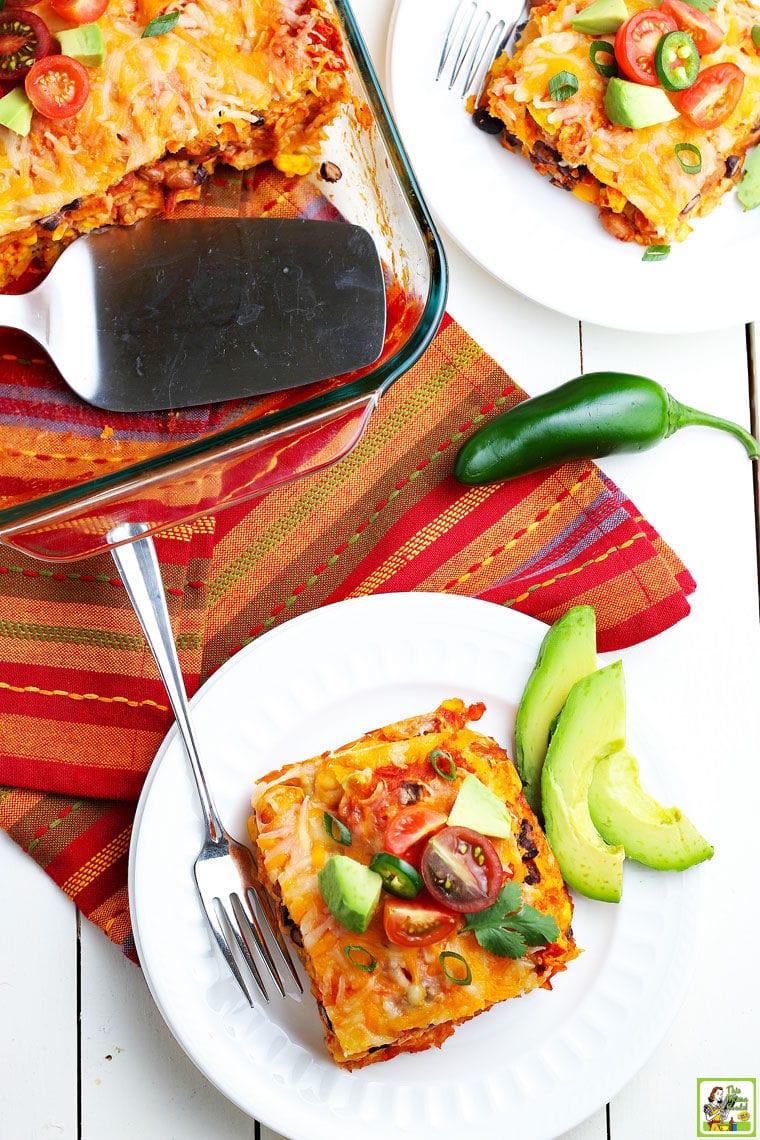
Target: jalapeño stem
681	415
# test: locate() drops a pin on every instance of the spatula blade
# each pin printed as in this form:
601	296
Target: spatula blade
171	314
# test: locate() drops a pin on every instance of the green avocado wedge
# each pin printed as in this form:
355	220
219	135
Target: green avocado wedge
591	725
623	813
567	653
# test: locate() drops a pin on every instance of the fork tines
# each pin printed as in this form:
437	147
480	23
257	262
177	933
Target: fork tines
471	41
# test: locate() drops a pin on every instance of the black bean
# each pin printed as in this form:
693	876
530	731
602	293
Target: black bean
487	122
330	172
733	162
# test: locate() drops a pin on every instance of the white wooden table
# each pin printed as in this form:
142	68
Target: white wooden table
84	1055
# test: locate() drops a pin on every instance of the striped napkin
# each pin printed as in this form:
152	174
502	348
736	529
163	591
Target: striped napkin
82	709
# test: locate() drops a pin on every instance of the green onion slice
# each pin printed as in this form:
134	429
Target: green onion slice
365	961
457	979
437	758
755	33
336	829
656	253
166	22
695	165
603	47
563	86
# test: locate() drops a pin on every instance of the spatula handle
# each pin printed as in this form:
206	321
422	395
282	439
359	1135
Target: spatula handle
26	312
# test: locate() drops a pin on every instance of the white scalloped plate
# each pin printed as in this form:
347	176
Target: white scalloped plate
536	1066
539	239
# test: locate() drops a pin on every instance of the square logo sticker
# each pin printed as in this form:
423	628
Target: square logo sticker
726	1105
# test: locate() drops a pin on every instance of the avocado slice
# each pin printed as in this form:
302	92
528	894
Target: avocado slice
477	807
567	653
623	812
84	44
634	105
16	111
591	724
351	891
600	17
748	192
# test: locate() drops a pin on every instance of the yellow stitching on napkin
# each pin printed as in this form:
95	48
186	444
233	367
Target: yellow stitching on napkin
83	696
576	569
98	864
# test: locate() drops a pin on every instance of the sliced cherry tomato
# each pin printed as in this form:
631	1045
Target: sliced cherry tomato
711	99
24	38
417	922
409	827
676	61
399	877
636	42
57	86
80	11
462	869
707	35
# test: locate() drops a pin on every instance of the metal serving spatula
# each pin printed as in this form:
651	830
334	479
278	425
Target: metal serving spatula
168	314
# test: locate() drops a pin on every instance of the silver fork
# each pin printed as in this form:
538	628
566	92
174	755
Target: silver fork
224	869
474	41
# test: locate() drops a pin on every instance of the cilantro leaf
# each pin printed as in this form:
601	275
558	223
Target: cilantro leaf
704	6
509	900
159	25
535	927
507	928
504	943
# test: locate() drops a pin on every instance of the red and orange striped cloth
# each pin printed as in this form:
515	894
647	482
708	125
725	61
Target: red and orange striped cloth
82	710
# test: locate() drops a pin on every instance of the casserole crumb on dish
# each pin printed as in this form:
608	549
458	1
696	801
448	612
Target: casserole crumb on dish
233	81
649	181
396	970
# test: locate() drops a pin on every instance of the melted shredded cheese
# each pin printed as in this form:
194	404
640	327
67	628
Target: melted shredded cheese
226	61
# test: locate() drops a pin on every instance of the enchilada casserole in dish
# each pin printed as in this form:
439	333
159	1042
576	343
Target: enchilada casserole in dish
414	881
644	111
177	87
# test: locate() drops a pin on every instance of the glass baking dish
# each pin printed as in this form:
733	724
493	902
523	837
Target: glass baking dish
63	506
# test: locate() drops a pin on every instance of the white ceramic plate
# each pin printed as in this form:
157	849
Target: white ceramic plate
539	239
542	1063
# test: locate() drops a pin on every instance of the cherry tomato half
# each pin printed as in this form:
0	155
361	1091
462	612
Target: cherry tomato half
57	86
461	869
636	41
24	38
409	827
707	35
711	99
80	11
417	922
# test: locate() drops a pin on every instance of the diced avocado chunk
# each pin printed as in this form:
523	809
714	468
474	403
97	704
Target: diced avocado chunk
591	724
351	891
748	192
84	44
634	105
600	17
567	653
477	807
623	812
16	111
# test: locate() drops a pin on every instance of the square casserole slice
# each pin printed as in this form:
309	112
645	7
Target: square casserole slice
407	1002
634	177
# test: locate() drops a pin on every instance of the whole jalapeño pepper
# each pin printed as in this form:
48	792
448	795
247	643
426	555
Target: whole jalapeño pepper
587	418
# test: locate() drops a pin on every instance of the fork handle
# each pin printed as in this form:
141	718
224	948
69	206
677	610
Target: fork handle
138	569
